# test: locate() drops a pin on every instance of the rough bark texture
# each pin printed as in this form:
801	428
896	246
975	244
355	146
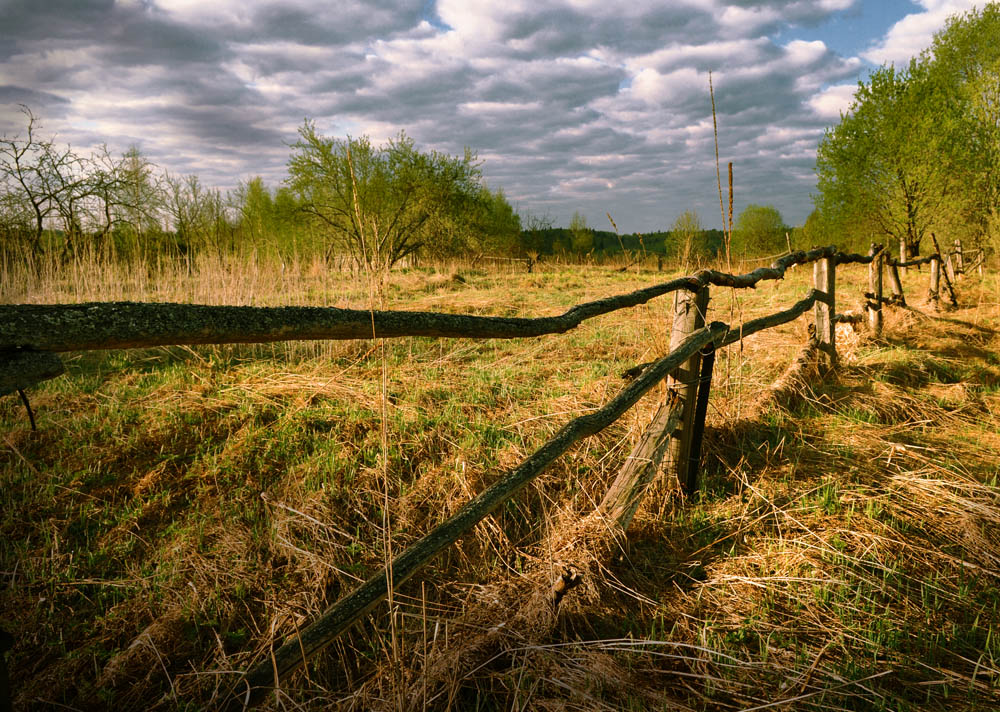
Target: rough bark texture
689	316
21	369
118	325
623	497
824	280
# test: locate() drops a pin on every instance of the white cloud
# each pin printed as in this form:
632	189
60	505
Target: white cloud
592	105
833	101
908	37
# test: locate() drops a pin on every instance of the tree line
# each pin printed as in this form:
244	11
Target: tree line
918	152
376	206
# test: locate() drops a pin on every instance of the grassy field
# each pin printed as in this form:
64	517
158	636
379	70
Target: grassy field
180	510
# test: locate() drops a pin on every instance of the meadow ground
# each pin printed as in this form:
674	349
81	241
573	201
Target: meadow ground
180	509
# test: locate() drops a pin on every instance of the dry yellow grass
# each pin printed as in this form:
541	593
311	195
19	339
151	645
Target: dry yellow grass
179	509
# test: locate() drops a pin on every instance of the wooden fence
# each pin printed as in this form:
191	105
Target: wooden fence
31	335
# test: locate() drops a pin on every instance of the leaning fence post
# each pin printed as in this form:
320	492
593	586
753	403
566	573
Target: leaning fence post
949	267
895	284
824	281
948	281
701	410
689	316
875	289
933	294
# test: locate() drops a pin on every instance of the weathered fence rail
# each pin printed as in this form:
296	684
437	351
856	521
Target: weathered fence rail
30	334
123	325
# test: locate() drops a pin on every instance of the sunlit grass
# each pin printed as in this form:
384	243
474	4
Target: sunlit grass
179	509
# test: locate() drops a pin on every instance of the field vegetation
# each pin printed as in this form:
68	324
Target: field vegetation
180	510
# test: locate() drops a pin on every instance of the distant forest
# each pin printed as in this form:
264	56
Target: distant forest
559	241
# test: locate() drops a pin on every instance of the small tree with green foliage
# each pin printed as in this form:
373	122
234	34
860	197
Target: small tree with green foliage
581	236
759	230
380	204
686	238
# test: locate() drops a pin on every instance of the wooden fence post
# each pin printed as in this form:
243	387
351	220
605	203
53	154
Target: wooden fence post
824	281
933	294
875	289
896	285
949	267
959	258
689	316
948	281
701	410
904	254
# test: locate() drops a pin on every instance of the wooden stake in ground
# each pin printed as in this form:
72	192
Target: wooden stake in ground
626	492
949	267
904	253
824	281
689	316
933	293
947	281
701	410
896	285
875	290
959	259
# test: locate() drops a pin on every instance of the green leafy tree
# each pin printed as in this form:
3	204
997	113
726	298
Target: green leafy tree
816	232
380	204
686	238
255	208
759	230
878	170
497	226
581	236
964	64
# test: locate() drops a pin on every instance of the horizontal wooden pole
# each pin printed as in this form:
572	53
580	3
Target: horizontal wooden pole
120	325
117	325
912	263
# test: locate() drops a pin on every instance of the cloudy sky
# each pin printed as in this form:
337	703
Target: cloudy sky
590	105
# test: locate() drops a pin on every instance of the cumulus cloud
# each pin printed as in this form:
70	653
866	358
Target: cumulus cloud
833	101
914	32
590	105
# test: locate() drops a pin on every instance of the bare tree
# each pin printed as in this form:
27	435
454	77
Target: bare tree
24	180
